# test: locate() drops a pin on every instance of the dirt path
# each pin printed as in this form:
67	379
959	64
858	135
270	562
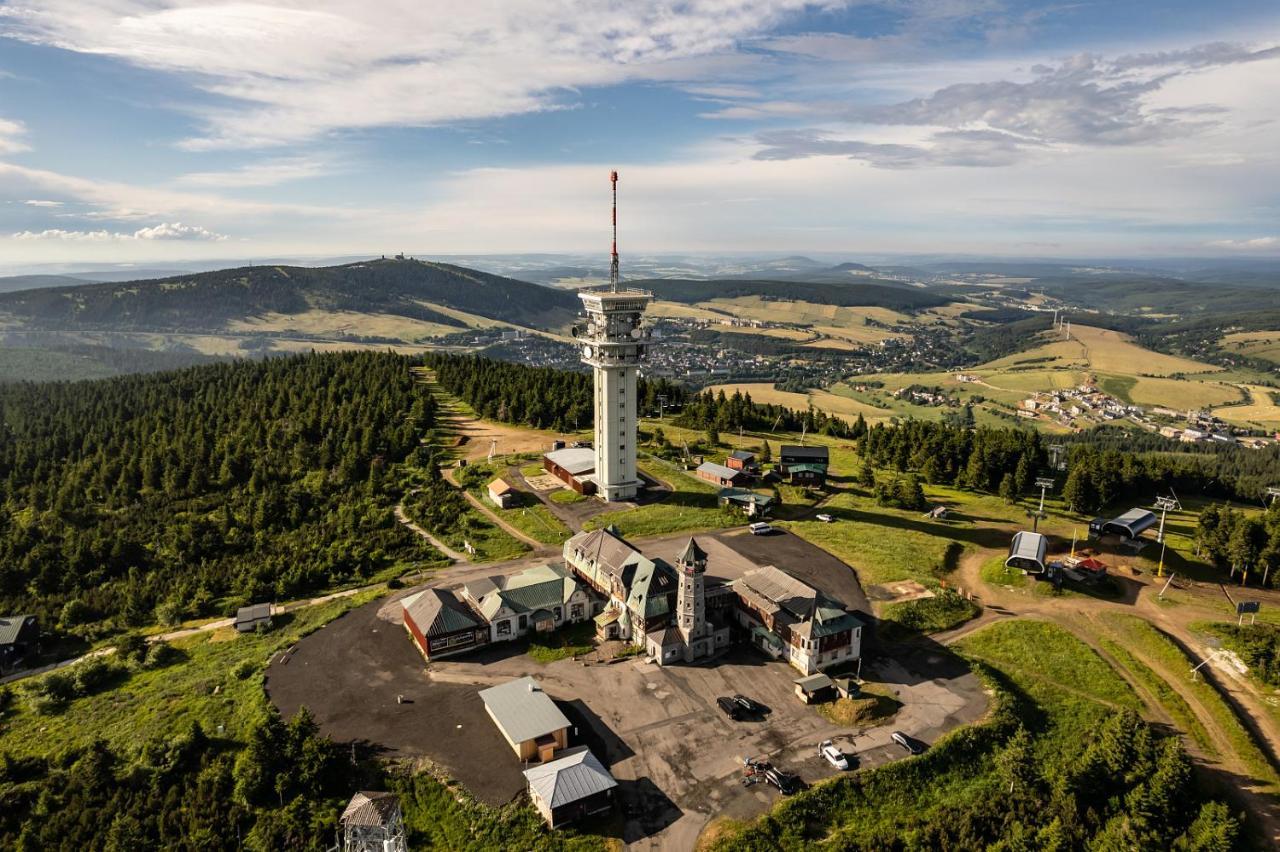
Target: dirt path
492	515
432	540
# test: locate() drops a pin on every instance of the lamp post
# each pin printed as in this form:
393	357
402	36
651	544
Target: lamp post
1044	483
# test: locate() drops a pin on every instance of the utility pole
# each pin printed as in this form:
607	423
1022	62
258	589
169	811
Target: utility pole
662	405
1164	504
1044	483
1057	454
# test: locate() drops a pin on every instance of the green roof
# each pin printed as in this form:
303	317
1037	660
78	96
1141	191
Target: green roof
807	468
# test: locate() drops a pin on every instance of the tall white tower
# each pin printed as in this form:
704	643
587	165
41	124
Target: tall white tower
613	343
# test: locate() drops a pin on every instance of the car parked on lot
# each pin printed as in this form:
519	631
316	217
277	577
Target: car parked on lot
755	708
827	519
730	707
760	528
833	755
786	783
912	745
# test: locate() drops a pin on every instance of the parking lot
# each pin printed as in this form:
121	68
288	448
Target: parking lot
677	756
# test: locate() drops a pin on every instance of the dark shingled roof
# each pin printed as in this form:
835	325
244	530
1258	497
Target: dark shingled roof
692	552
370	809
793	451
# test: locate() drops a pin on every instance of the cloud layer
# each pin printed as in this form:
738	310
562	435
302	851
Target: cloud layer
163	231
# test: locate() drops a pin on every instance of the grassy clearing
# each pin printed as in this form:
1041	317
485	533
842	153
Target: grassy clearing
945	610
1038	649
218	684
873	707
1155	647
1164	694
566	496
996	573
528	514
531	470
561	644
692	505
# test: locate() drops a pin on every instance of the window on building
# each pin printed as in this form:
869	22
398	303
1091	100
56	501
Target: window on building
504	628
559	613
524	622
575	611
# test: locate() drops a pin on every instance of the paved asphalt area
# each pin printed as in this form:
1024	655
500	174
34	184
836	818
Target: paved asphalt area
677	758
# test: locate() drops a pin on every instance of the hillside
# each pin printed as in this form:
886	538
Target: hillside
11	283
216	301
881	294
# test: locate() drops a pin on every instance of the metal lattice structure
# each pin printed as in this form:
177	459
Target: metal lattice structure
372	822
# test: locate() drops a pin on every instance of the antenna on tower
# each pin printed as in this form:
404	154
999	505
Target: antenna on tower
613	263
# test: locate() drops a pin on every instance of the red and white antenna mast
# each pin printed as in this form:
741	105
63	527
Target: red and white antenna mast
613	263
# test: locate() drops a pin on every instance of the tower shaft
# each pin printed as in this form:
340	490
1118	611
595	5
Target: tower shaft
614	276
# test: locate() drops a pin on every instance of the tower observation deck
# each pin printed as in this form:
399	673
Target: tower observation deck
613	344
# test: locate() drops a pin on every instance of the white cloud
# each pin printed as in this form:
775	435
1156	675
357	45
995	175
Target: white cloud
264	173
302	68
11	133
1255	244
39	202
163	231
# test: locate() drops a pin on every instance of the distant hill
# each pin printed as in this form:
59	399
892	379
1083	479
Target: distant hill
209	301
13	283
851	293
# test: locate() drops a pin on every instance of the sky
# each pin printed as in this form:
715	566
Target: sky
139	131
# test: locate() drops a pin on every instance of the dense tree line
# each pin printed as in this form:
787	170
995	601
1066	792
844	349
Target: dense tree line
1235	540
539	397
183	493
283	789
727	413
1007	461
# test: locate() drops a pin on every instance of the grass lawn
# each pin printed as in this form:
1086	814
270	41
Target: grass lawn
204	688
563	643
491	542
531	470
566	495
872	707
1039	650
528	514
693	505
1149	643
995	572
945	610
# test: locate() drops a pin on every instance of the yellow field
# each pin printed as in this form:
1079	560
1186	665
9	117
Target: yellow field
782	333
1255	344
764	392
1028	381
678	310
339	323
1260	410
833	343
1106	352
806	313
1181	394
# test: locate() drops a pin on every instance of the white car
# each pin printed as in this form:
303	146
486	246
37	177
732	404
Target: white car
827	519
760	528
833	755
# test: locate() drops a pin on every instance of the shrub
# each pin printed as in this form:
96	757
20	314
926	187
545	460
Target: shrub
162	654
132	648
75	612
51	693
93	674
243	669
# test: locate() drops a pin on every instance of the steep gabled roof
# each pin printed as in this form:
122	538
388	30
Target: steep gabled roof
11	626
692	552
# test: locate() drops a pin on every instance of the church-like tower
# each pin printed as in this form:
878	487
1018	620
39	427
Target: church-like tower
613	344
691	596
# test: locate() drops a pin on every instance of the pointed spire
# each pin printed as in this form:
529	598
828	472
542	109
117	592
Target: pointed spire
692	553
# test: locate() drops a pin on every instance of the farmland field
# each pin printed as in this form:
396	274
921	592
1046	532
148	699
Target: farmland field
1261	409
1105	351
1255	344
764	392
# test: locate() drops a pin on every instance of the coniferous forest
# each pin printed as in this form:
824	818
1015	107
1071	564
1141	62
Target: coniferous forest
158	497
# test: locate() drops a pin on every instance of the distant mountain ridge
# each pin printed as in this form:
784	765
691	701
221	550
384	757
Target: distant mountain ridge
209	301
13	283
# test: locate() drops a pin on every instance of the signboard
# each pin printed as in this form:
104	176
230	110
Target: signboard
1248	607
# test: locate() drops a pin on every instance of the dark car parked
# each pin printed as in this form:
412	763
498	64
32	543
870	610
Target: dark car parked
731	708
755	708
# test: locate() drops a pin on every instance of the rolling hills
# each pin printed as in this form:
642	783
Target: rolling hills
211	302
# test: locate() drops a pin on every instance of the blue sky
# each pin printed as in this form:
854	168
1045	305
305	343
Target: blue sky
144	130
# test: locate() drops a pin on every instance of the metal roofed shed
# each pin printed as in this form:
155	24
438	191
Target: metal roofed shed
527	717
814	688
573	786
718	473
249	618
573	466
1131	524
1027	551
